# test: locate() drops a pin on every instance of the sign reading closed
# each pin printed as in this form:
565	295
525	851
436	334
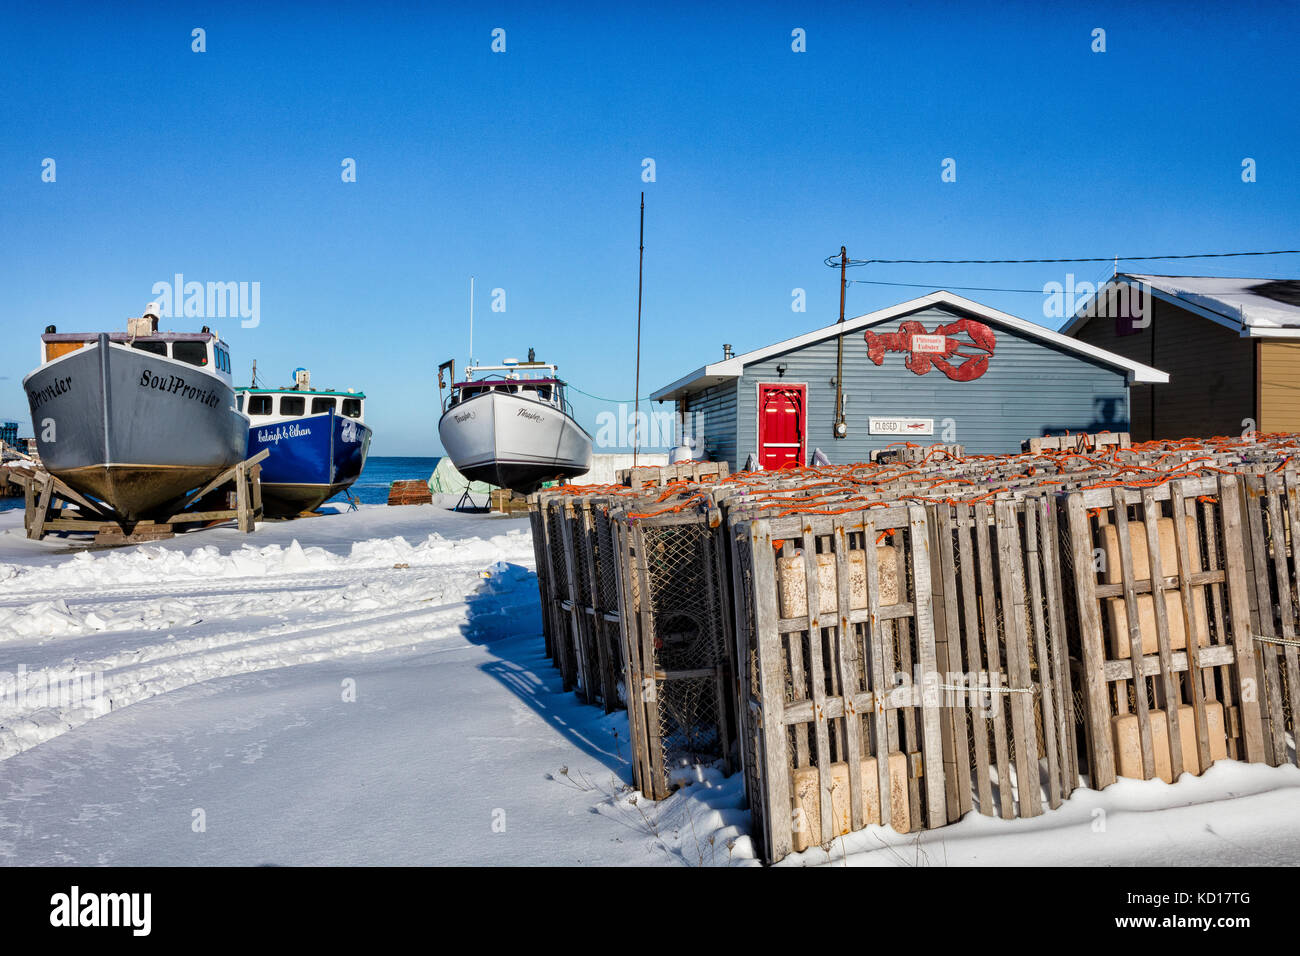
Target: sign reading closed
901	427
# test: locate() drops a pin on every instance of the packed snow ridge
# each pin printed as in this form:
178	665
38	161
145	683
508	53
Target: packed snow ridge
100	631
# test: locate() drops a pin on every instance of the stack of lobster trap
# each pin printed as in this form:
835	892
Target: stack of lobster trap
906	641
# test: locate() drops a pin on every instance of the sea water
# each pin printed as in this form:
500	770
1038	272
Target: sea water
372	486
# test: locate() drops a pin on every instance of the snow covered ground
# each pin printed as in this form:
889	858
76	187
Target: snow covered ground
370	687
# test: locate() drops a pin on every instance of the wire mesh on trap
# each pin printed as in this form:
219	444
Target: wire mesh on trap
606	581
560	582
685	597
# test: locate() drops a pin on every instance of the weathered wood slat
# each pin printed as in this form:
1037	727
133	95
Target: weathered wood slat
948	617
771	675
1168	683
1095	686
851	680
931	727
1266	648
993	642
1292	499
1045	684
1252	732
883	739
1017	649
979	717
1134	633
817	675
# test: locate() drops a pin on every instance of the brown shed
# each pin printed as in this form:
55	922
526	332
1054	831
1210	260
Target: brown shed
1231	347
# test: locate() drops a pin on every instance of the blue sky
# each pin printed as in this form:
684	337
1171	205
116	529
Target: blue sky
524	168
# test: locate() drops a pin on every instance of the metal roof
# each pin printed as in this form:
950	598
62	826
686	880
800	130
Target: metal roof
1254	308
292	390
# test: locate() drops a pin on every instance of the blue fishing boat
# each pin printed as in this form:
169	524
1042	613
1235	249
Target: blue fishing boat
318	440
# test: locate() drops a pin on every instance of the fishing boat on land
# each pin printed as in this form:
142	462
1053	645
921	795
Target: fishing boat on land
317	438
511	425
135	419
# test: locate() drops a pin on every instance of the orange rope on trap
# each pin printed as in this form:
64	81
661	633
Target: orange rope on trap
951	479
671	509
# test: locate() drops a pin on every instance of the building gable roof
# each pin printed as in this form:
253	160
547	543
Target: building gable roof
728	369
1256	308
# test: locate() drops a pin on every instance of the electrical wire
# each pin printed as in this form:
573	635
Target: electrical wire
834	260
611	401
941	285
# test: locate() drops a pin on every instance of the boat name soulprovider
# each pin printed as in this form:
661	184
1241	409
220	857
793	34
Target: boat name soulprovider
282	431
531	416
57	387
175	385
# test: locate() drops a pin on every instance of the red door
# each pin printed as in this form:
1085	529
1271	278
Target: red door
782	421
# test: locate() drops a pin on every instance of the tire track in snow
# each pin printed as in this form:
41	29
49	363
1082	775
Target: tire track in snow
324	630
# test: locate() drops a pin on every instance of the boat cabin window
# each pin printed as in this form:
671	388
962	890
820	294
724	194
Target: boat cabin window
292	404
319	405
543	392
352	407
239	403
153	348
193	353
259	404
223	358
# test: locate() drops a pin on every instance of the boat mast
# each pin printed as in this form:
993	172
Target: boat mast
471	321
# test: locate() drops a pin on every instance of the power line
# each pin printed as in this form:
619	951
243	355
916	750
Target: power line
611	401
834	260
940	285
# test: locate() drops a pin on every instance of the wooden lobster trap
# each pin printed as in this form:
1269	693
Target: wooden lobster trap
1164	627
840	701
1000	624
541	557
659	476
594	612
1273	522
676	625
554	512
576	567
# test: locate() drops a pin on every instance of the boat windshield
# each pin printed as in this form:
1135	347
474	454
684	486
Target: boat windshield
549	392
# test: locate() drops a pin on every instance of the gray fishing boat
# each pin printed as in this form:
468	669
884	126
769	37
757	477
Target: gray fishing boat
510	425
135	419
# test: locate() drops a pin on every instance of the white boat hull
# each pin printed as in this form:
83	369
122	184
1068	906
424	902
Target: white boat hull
513	442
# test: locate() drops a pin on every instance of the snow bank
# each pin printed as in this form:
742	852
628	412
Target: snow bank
148	620
1234	814
153	564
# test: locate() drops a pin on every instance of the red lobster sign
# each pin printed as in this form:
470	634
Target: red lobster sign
934	349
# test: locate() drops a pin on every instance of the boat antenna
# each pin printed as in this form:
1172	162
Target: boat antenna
471	320
254	385
636	416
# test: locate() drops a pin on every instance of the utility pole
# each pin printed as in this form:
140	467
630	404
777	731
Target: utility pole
841	427
636	414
